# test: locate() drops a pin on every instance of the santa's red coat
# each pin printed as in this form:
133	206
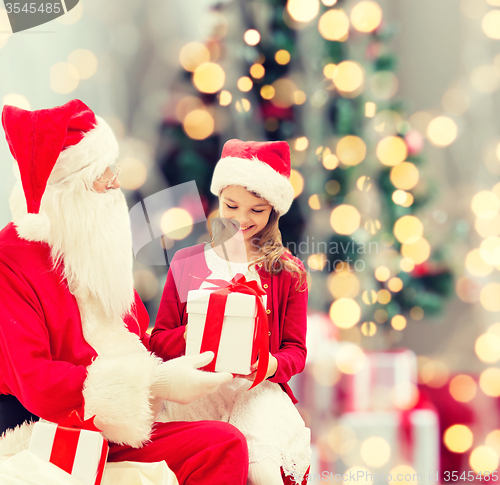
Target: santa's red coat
47	364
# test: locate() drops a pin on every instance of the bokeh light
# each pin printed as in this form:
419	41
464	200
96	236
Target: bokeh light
366	16
484	79
314	202
404	176
177	223
334	25
251	37
490	297
375	451
491	24
398	322
316	262
297	182
485	204
301	144
489	381
350	358
442	131
408	229
369	297
345	312
351	150
18	100
493	440
384	296
303	10
490	250
257	71
349	77
484	459
370	109
487	347
476	265
193	55
391	150
267	91
382	273
418	251
331	162
299	97
85	62
458	438
345	219
64	78
395	284
243	105
343	283
199	124
244	84
434	373
225	98
463	388
406	472
134	173
282	57
209	77
368	329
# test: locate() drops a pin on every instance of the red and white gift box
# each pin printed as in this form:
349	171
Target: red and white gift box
78	451
230	320
237	336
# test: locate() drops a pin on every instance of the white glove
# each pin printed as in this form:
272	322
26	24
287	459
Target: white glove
179	380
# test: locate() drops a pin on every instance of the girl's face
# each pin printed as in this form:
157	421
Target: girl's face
249	213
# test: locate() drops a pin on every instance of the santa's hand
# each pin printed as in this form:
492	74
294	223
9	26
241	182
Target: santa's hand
179	380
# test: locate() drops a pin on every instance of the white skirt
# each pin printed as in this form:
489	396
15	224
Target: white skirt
265	415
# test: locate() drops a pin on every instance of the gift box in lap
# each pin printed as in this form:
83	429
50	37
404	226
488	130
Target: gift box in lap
236	341
80	452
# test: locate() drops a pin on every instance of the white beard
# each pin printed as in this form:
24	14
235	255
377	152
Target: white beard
90	235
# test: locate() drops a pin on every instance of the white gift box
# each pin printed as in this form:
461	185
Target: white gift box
236	341
422	456
82	453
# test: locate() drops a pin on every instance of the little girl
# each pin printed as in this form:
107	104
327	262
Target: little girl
252	181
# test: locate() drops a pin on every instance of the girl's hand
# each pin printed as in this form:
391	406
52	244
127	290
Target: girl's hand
185	332
271	369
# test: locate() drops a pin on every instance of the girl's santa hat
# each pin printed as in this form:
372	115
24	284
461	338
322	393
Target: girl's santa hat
68	140
260	167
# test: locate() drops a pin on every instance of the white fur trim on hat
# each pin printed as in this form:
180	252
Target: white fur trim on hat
34	227
98	149
255	176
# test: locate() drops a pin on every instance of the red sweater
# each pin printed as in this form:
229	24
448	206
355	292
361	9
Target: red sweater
287	308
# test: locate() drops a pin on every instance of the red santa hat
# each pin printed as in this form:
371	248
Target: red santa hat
260	167
71	134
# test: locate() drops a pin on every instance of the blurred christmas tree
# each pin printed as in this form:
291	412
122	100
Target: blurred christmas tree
322	76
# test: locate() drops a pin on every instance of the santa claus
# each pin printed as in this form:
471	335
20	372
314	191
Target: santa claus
72	328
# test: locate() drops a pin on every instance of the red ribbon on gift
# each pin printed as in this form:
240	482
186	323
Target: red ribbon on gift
66	442
215	319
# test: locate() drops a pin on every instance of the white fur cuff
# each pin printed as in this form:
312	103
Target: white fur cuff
117	391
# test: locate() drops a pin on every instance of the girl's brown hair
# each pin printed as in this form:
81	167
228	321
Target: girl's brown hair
269	245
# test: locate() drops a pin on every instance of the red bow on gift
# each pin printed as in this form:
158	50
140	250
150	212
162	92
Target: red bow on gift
75	421
66	443
215	315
